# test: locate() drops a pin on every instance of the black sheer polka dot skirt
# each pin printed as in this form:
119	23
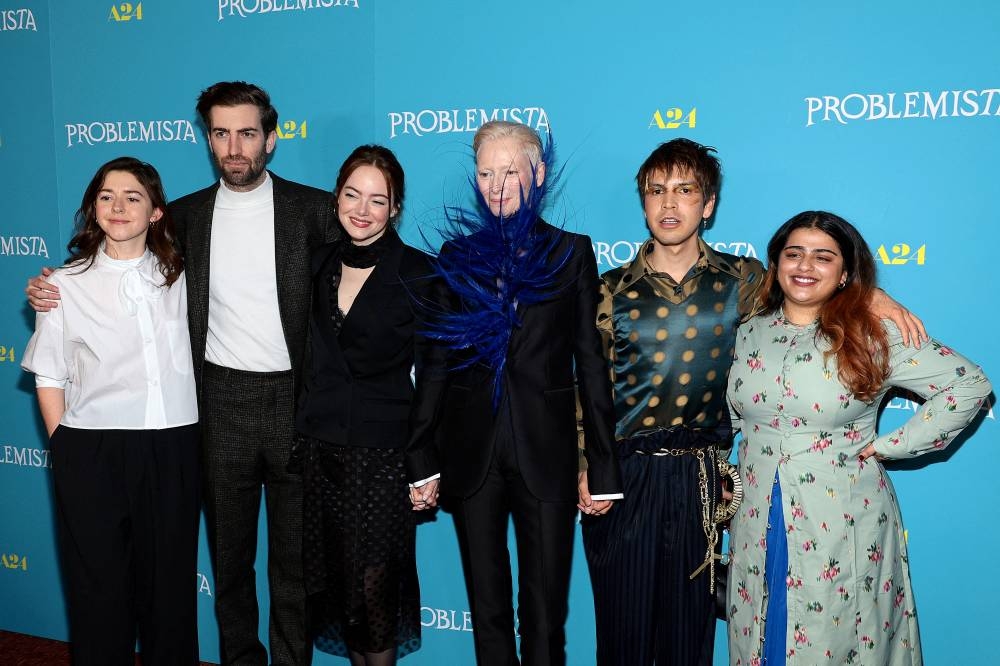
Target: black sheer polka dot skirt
359	539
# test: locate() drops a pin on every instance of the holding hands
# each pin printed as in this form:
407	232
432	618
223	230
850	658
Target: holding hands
588	504
425	496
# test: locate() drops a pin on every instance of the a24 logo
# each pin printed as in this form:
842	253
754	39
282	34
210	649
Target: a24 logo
125	11
291	129
673	118
901	253
14	561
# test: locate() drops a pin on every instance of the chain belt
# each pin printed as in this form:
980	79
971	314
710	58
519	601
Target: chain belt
677	453
723	511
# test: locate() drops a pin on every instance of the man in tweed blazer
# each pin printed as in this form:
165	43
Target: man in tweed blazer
246	242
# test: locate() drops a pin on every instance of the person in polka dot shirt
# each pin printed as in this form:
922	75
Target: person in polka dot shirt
668	321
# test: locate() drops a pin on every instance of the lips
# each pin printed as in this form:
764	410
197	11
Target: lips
804	281
505	206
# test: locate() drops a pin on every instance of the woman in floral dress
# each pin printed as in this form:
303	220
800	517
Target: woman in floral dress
817	546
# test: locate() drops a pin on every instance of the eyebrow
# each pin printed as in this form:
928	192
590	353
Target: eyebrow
110	191
667	184
805	249
354	189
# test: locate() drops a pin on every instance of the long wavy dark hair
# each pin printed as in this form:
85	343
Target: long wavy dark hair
160	238
856	336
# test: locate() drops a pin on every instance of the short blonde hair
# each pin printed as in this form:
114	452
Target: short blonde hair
504	129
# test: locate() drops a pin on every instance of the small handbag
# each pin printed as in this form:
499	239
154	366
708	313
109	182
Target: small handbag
724	511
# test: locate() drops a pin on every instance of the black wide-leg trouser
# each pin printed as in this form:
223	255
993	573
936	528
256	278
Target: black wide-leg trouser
127	520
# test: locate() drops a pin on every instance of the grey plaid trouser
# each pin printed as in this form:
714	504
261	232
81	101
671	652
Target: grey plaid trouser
247	420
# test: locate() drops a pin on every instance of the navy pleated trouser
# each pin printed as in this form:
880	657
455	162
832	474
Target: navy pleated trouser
641	555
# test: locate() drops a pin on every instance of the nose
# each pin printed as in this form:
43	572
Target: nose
118	205
667	200
234	143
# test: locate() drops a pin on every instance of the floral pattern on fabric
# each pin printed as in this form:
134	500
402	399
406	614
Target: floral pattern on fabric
848	579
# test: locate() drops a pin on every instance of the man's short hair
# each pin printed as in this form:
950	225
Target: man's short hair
235	93
682	155
505	129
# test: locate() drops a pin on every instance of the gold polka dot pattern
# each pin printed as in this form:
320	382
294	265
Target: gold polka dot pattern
669	344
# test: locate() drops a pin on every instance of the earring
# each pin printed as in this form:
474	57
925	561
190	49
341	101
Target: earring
843	283
704	223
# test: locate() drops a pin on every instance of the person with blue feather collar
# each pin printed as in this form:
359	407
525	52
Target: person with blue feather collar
521	340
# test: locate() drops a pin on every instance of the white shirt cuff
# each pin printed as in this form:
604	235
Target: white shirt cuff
48	382
609	496
424	482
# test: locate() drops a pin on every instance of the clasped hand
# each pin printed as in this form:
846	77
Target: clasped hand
425	496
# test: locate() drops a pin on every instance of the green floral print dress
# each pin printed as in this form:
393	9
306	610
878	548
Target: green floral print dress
848	582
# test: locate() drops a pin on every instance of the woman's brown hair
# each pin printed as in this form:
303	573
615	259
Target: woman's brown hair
385	161
856	336
160	239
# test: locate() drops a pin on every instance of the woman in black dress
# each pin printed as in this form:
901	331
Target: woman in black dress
364	446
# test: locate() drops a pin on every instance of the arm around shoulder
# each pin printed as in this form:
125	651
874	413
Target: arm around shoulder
910	327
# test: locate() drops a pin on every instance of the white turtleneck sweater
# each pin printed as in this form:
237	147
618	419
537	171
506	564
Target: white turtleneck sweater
118	345
244	323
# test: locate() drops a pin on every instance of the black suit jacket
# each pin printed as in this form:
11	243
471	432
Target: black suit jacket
557	341
303	220
358	390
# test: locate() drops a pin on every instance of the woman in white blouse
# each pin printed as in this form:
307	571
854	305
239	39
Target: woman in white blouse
116	390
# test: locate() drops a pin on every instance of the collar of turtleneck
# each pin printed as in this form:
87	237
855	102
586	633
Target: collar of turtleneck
260	195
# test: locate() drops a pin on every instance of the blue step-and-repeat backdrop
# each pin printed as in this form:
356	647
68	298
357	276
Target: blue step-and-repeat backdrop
887	113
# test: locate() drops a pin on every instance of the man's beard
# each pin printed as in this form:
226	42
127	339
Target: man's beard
248	170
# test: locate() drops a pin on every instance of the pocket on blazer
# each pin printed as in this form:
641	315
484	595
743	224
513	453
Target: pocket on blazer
561	399
386	409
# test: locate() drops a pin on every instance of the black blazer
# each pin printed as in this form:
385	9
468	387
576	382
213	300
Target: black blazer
358	390
303	220
557	341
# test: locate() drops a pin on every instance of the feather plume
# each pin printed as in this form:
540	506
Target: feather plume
494	267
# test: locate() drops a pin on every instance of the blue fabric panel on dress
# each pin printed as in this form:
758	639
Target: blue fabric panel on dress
775	572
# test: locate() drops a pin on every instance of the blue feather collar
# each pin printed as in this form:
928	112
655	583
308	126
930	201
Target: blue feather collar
495	267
